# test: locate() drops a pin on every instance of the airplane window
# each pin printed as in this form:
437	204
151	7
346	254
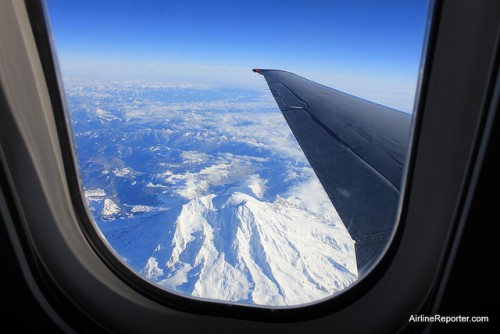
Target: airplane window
216	182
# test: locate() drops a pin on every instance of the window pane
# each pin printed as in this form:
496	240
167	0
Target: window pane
188	160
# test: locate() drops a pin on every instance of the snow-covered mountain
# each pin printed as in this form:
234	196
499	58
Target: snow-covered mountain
238	248
207	193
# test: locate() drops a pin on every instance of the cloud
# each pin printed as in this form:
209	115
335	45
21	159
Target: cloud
223	136
257	185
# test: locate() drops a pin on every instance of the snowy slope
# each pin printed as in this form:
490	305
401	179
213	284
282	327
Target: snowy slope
238	248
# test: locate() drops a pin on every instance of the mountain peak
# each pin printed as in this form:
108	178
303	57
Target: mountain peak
273	252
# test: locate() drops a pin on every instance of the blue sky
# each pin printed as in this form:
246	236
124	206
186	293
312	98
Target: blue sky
369	48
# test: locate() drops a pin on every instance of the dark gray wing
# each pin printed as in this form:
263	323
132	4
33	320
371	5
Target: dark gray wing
357	149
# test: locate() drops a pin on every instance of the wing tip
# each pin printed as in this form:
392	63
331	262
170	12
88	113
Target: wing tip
262	70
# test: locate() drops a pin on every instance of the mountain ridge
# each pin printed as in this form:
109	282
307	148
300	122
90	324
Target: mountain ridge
241	249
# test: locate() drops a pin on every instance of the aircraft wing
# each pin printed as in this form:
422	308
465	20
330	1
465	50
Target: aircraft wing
357	149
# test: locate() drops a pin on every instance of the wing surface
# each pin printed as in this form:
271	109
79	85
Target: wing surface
357	149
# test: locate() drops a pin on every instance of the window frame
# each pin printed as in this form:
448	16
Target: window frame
42	32
103	283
